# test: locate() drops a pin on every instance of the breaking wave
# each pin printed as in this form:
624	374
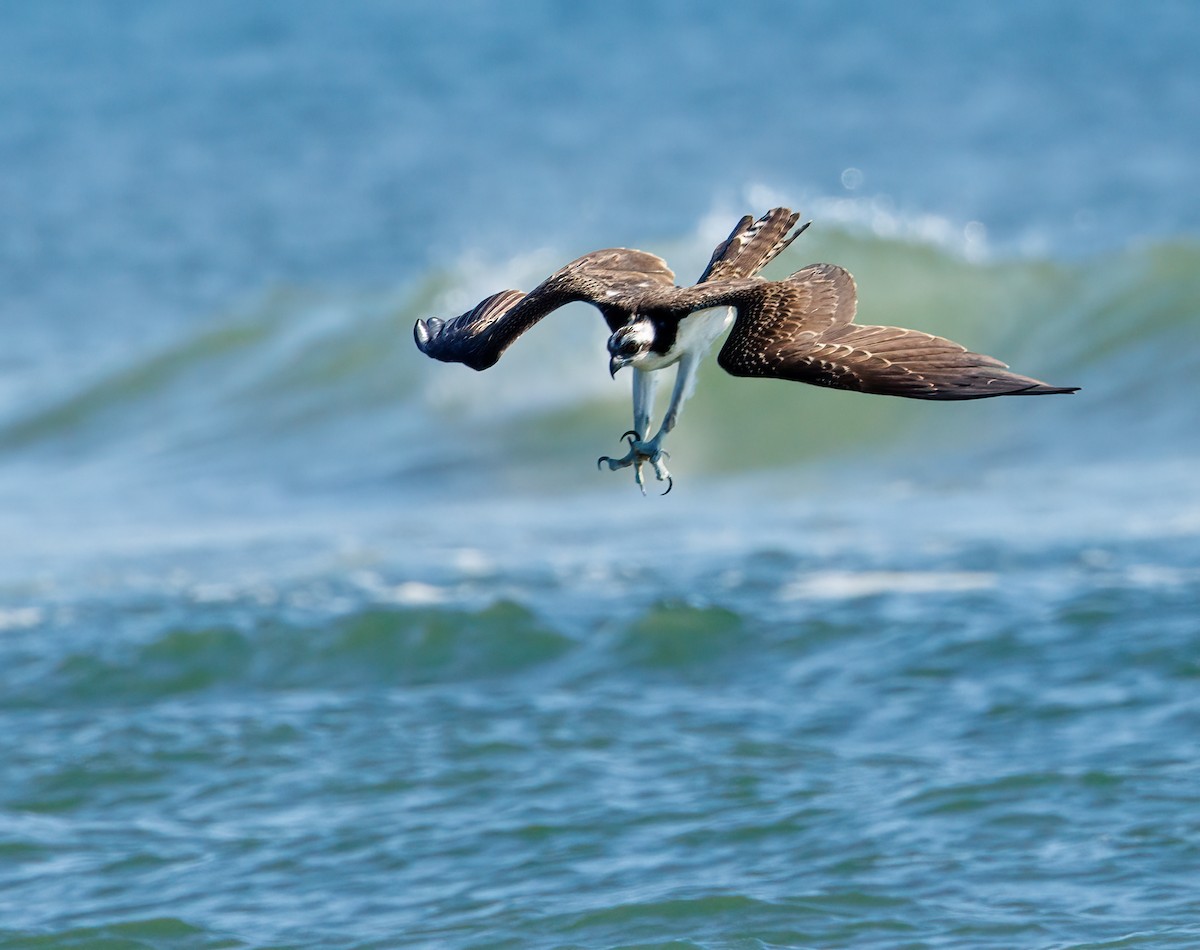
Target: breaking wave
329	389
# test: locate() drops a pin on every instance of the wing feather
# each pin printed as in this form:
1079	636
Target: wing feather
752	245
612	279
802	329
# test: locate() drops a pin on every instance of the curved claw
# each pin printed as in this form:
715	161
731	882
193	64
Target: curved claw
600	462
637	436
670	485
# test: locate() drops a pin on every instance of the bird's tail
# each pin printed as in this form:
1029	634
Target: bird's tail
752	245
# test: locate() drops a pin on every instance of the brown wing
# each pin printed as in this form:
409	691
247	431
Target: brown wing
801	329
752	245
612	279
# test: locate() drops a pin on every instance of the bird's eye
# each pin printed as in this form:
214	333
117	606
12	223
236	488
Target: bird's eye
622	345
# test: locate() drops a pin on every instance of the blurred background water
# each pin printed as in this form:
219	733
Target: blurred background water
306	640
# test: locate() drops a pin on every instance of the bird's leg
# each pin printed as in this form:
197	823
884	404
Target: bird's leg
644	385
651	450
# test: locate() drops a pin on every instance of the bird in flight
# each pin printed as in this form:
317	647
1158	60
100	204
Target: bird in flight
799	328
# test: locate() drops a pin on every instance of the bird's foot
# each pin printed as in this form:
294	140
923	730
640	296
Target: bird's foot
640	453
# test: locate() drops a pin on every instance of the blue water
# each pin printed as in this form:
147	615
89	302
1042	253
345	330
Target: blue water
309	641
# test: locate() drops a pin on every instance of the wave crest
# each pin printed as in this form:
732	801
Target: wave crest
334	387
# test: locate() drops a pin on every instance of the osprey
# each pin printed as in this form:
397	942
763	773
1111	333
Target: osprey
800	328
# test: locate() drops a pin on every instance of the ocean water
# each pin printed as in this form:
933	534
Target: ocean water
309	641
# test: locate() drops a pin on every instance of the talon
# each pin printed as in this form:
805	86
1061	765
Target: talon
613	464
640	453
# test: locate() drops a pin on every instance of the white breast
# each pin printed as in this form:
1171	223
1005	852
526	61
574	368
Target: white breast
697	333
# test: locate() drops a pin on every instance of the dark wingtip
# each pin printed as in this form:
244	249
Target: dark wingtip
426	331
1042	389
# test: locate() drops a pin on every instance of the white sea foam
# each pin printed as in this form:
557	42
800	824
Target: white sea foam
838	585
20	618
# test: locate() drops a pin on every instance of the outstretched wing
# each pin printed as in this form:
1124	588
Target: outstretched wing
612	279
752	245
802	329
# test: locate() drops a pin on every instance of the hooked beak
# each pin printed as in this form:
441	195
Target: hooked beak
615	363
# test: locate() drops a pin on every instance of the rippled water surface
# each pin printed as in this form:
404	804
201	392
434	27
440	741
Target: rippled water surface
308	641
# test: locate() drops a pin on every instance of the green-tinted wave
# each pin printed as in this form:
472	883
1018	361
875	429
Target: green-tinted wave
372	647
334	383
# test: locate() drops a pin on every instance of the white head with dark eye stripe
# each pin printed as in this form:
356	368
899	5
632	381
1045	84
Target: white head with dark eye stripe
629	342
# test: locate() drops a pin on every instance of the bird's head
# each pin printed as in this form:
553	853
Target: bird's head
628	343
